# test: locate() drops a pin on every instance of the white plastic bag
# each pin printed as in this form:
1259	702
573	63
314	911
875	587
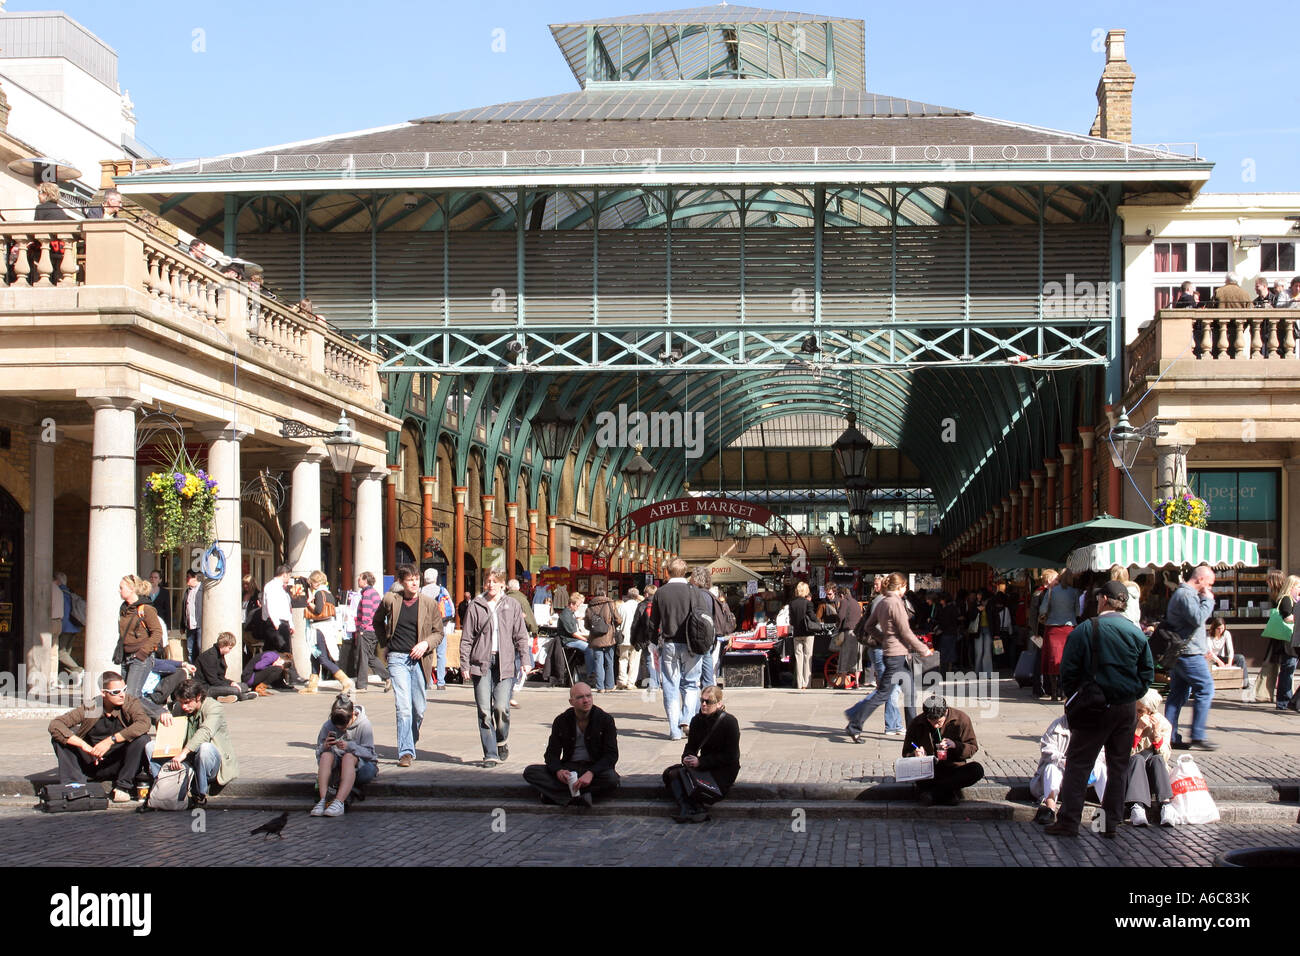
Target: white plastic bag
1192	799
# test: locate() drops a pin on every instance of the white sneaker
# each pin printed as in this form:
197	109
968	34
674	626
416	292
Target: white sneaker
1168	816
319	809
335	809
1138	816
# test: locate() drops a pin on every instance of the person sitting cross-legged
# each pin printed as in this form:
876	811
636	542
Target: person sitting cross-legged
580	755
345	756
103	741
944	733
211	672
207	741
710	760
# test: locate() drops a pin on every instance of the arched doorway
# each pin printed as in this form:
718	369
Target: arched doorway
256	553
403	554
471	575
11	582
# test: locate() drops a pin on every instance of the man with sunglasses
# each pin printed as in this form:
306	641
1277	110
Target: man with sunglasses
103	741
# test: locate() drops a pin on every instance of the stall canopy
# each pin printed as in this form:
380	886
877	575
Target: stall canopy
1055	546
1007	557
728	571
1175	544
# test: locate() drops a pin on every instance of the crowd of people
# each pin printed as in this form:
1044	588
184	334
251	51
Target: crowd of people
1231	295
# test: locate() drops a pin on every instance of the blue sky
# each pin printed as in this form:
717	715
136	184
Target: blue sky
275	71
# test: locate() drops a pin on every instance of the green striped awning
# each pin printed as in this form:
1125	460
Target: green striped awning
1173	544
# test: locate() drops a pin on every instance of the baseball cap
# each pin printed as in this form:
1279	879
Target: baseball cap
1114	589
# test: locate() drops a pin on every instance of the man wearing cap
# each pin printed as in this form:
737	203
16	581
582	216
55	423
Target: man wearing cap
1124	670
944	733
432	589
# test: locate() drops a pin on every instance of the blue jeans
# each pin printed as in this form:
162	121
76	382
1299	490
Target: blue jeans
709	665
441	666
681	683
492	697
897	677
192	643
206	762
984	651
1191	673
588	665
652	666
408	696
893	719
1285	672
137	672
603	674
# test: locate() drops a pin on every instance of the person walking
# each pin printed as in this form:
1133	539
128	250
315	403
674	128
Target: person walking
522	664
1062	614
679	665
411	623
897	640
140	633
493	633
1111	651
367	642
1190	606
324	635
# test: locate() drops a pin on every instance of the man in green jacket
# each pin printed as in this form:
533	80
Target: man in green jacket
1124	670
207	741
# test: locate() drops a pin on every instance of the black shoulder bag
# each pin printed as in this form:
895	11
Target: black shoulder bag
699	784
1088	704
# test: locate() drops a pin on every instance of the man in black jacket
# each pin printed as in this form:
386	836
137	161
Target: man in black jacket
210	672
581	754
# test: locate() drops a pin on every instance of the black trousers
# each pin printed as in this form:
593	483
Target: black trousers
120	764
537	776
368	657
950	778
1147	777
277	638
267	675
1114	732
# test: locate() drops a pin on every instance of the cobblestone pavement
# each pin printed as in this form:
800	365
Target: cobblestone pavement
567	837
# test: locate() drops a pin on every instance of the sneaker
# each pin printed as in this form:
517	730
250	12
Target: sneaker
1202	745
251	695
227	699
515	703
1045	816
503	752
1138	816
404	760
319	809
1168	816
335	809
893	733
120	796
490	762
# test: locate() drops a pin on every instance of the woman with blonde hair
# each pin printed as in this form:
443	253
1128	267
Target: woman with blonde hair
1146	785
140	633
897	640
1134	608
800	611
1284	592
324	637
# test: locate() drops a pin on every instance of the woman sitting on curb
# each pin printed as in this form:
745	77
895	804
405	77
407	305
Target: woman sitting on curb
1148	767
1046	785
345	755
710	761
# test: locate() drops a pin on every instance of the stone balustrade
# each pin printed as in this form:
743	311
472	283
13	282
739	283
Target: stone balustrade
112	253
1256	336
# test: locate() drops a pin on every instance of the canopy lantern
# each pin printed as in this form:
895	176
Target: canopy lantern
851	449
554	427
638	473
343	446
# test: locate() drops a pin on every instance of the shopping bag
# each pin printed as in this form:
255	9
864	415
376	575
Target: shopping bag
1277	628
998	647
1192	797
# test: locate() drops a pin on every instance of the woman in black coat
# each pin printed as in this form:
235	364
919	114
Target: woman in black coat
712	756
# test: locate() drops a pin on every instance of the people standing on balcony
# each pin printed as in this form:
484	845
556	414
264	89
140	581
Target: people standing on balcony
1280	298
493	634
1060	617
47	204
679	666
1293	290
367	643
412	625
198	249
1190	607
140	633
1188	297
1263	298
277	611
898	643
1231	295
110	206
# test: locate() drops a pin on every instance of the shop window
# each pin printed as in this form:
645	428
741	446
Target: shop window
1277	257
1244	504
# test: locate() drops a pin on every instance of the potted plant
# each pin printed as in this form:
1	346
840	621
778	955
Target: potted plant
178	504
1185	508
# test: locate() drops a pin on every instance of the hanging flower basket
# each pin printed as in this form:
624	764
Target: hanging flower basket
1182	509
178	505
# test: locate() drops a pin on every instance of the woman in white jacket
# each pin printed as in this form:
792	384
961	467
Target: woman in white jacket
1046	785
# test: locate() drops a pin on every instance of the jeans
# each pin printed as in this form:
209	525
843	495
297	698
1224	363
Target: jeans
897	675
984	651
709	665
192	644
408	695
948	652
652	667
440	665
492	697
1285	673
588	665
1191	673
602	659
681	684
893	719
206	762
137	672
325	662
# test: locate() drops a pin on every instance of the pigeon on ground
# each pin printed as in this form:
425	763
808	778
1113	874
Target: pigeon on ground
274	825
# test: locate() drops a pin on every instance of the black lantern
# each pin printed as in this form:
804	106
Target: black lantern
851	449
858	491
686	519
554	427
864	532
637	474
742	536
774	556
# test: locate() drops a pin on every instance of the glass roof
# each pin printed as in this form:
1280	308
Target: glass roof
802	430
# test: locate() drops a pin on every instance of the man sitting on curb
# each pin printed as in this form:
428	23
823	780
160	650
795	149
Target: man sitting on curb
944	733
584	743
211	672
105	740
207	742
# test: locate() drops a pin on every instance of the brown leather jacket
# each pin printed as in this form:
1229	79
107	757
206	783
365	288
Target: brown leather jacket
139	630
78	721
605	609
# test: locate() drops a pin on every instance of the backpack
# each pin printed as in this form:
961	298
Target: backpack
700	631
444	604
171	791
726	621
78	609
597	626
1167	645
641	625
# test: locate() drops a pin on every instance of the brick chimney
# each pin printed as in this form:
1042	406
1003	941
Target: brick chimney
1115	93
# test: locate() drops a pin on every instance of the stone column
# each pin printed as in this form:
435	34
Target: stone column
489	504
1036	509
369	547
428	492
390	517
461	495
111	543
347	529
512	519
1067	485
1017	513
223	600
1171	469
550	542
1051	519
532	533
1026	498
304	513
41	652
1087	438
1137	501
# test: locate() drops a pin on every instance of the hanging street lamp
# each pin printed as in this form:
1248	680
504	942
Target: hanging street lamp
864	532
851	449
638	473
342	443
554	427
858	491
742	536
